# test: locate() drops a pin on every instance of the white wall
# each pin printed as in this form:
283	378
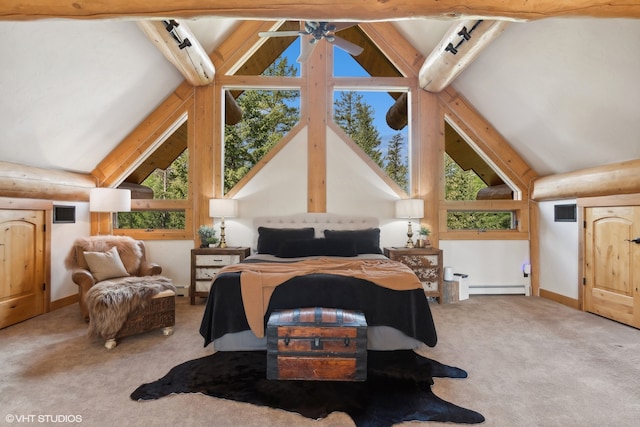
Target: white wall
558	252
489	263
62	238
174	256
280	188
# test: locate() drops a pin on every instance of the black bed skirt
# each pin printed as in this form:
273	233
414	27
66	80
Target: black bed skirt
407	311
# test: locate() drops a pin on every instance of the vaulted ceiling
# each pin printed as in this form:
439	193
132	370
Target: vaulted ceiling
563	91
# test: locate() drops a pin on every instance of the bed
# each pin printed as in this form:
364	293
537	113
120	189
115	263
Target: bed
317	260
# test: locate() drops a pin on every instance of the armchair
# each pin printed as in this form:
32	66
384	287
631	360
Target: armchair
119	289
132	253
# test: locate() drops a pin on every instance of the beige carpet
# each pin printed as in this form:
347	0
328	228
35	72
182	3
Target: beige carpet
531	362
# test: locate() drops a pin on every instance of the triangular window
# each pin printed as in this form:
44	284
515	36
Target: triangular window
470	177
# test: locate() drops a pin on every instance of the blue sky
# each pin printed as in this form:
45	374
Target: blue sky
346	66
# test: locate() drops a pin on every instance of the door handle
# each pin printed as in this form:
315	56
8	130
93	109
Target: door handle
636	240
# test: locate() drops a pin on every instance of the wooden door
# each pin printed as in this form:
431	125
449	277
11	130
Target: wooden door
22	265
612	263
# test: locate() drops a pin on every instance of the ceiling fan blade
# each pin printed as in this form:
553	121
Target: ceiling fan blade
343	25
279	33
346	45
306	48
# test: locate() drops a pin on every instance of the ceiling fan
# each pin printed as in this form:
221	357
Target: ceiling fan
313	32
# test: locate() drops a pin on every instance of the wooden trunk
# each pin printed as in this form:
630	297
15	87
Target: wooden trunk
317	344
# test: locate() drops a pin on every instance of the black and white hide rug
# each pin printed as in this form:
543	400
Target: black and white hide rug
397	389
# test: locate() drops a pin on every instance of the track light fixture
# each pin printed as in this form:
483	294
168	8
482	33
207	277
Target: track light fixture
465	35
170	25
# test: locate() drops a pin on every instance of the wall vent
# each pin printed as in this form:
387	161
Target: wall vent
564	213
64	214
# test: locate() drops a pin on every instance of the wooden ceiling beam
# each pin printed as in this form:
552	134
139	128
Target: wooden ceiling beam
181	47
192	61
341	10
459	47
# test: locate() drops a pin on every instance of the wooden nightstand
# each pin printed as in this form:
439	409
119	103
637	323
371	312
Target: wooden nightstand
205	264
426	263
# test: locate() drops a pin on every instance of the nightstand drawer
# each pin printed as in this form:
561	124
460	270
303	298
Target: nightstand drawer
419	261
206	263
203	285
204	273
426	263
216	260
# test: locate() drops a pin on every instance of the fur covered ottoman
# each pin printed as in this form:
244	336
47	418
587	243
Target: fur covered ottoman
131	305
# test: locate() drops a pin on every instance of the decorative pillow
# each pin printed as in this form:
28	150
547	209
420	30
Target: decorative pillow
270	239
313	247
105	265
367	240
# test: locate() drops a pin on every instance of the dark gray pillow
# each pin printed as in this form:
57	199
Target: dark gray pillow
367	240
270	239
317	247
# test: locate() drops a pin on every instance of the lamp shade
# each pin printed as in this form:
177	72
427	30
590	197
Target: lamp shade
109	200
409	208
225	208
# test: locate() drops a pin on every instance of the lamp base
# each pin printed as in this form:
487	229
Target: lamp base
409	237
223	242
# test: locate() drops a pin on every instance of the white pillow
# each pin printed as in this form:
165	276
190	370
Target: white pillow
105	265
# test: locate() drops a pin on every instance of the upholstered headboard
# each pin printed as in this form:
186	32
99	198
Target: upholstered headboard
319	221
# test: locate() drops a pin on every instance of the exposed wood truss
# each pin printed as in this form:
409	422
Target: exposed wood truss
398	115
462	43
36	183
178	44
351	10
617	178
458	48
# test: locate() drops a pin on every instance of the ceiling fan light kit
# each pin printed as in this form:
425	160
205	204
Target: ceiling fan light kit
315	31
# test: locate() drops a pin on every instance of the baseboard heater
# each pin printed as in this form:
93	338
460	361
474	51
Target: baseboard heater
498	289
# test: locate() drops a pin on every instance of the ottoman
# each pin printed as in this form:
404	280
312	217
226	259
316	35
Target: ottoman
159	313
131	305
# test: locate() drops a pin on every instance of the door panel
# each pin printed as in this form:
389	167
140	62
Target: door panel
22	269
610	271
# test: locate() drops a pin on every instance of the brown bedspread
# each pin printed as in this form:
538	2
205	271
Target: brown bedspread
259	280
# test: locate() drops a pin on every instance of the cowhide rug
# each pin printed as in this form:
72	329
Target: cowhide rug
397	389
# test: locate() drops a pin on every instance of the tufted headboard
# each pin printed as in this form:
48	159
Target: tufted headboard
319	221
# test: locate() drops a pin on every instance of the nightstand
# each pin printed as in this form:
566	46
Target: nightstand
205	264
426	263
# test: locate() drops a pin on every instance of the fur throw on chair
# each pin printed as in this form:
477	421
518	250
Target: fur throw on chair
111	301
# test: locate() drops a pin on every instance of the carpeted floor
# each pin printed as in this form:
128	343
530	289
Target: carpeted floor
530	361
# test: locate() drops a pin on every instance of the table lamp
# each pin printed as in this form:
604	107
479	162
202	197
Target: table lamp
223	208
409	209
